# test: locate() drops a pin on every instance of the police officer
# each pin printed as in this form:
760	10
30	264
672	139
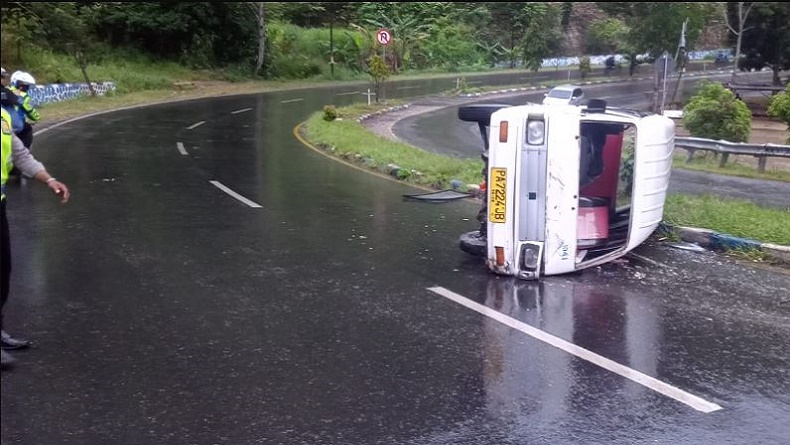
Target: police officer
11	103
20	85
14	153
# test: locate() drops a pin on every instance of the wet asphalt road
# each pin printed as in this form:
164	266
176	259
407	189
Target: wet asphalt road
165	311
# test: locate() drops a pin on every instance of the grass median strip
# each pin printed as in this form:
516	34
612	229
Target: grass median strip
348	139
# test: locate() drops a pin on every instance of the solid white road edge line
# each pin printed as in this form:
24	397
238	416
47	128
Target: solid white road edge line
241	111
181	148
656	385
193	126
347	94
292	100
220	186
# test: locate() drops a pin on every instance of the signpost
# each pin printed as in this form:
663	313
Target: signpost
383	37
664	66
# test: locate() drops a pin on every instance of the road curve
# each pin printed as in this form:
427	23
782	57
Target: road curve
165	310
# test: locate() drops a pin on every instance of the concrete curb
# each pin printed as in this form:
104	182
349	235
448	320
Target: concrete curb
719	241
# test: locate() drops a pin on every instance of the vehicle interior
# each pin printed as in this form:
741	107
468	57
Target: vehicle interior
604	188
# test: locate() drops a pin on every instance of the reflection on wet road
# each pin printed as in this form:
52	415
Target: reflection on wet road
166	311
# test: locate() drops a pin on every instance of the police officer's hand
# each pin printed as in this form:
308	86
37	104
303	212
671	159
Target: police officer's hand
59	188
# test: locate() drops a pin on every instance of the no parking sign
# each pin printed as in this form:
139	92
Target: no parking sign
383	37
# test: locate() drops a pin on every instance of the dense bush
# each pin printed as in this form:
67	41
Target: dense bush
715	113
330	113
780	107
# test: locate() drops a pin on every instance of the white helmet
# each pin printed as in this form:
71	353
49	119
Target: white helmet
22	77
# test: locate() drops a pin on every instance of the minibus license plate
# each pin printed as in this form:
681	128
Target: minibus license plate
497	204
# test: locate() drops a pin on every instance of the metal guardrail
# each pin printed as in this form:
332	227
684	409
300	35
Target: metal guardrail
772	88
724	148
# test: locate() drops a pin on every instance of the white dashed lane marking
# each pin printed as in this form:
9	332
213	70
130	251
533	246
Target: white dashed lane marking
235	195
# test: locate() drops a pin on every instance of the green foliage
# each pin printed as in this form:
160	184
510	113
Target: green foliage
379	72
330	113
130	70
316	14
715	113
449	46
408	31
429	36
743	219
626	173
780	107
767	42
584	66
542	38
608	36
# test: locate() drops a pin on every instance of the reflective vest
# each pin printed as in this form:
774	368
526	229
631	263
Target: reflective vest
11	104
6	161
26	108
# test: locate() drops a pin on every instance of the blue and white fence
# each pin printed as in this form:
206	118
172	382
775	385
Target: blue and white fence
600	60
56	92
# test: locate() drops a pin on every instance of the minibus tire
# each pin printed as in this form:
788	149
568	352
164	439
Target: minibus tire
480	113
473	244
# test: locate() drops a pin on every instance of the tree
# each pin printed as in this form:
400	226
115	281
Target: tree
541	38
655	27
715	113
507	26
259	12
449	46
767	42
379	72
69	29
780	107
742	13
607	36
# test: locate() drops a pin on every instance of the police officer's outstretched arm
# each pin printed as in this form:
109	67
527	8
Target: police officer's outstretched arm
26	163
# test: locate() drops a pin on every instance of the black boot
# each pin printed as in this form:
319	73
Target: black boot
7	359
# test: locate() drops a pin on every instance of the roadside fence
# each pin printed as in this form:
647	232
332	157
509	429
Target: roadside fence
725	148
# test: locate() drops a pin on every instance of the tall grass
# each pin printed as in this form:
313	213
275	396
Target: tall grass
129	70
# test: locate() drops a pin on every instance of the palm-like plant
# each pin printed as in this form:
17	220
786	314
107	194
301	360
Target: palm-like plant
407	31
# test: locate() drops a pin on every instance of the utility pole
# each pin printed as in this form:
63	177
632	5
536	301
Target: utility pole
681	52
